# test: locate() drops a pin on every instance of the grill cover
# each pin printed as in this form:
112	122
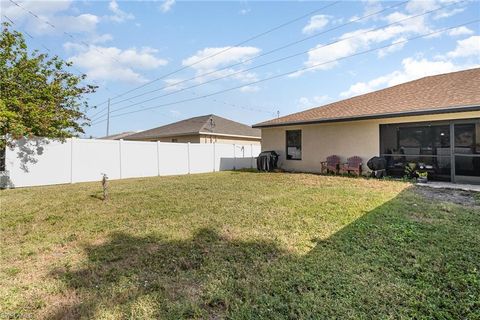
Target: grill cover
267	161
377	163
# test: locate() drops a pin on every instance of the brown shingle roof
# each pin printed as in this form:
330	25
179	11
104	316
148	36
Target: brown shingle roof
198	125
433	94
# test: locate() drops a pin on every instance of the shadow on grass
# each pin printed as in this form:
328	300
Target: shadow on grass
397	261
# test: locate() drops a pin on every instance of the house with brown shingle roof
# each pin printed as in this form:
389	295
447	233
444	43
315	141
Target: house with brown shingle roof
203	129
433	122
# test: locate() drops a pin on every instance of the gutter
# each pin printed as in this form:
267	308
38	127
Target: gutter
373	116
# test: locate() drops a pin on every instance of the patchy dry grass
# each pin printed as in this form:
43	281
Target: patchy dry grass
238	245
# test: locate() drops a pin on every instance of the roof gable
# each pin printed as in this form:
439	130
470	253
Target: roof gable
203	124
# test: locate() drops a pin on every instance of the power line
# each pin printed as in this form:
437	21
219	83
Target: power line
64	32
230	47
237	106
218	53
86	44
296	70
106	88
268	52
79	72
67	34
280	59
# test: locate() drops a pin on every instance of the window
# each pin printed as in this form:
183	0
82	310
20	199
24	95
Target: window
411	139
425	144
294	145
174	140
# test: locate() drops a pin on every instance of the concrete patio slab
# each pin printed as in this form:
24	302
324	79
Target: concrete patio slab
449	185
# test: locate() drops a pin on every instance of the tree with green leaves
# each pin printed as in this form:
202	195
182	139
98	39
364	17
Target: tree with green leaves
39	97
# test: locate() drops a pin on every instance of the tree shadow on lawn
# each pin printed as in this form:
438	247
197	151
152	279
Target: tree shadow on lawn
399	260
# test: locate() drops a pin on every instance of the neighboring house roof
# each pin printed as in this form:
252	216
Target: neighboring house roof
208	124
450	92
118	136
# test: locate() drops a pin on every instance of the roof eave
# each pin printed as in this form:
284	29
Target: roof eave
229	135
374	116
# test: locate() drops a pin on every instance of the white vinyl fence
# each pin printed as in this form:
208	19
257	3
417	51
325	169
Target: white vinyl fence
42	162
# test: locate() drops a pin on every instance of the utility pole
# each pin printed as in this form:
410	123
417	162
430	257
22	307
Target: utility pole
108	117
278	113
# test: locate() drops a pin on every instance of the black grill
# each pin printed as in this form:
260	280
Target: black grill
267	161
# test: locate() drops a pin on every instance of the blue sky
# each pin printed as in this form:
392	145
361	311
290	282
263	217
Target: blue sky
122	45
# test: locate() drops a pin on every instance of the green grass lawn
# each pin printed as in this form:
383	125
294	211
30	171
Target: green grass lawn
239	245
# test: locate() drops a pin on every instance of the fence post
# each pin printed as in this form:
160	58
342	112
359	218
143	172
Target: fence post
71	160
120	156
214	156
188	156
158	158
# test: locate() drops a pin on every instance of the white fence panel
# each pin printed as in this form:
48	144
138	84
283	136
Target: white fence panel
256	149
201	158
173	158
139	159
242	156
41	162
49	165
224	157
91	158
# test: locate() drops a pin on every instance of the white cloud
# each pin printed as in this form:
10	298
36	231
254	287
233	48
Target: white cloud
460	31
174	84
234	54
167	5
322	57
397	44
420	6
211	59
101	38
403	26
316	23
371	7
52	12
118	14
82	23
244	11
111	63
411	69
445	13
250	89
315	101
469	47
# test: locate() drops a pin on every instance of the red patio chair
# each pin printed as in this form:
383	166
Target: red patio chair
354	164
331	165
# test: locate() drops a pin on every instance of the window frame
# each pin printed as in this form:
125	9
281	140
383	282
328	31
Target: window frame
286	144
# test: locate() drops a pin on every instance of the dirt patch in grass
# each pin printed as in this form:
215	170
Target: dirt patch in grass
460	197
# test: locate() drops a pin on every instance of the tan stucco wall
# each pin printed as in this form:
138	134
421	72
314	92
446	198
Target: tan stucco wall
220	139
345	139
